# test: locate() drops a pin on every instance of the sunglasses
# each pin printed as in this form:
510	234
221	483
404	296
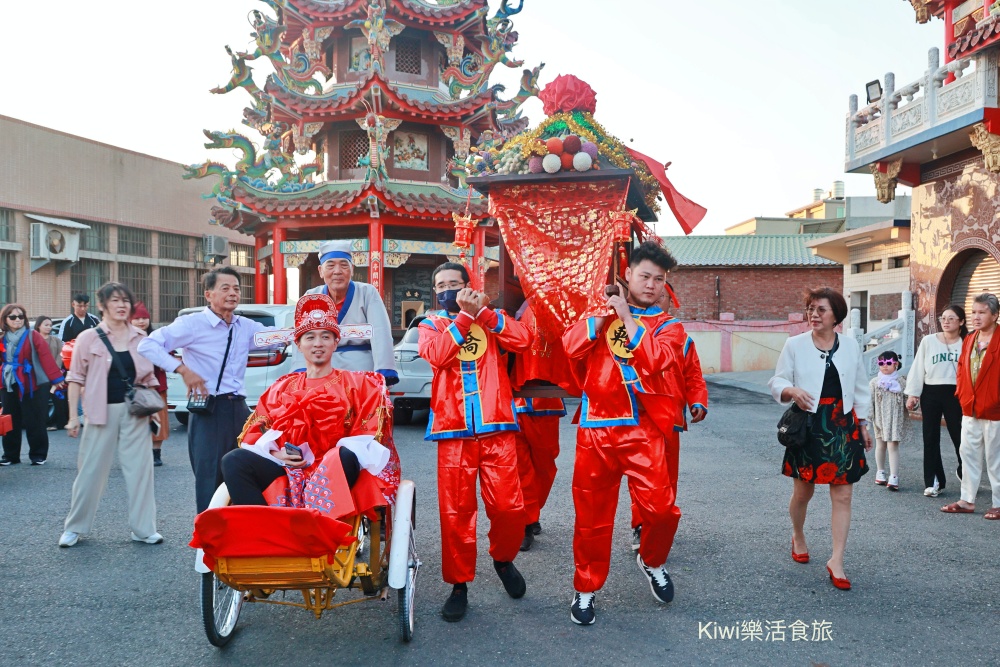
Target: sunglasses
15	317
886	362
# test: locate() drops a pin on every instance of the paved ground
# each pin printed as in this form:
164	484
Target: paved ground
924	582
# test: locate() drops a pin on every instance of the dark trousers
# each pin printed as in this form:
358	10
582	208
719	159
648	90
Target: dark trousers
60	411
210	437
247	474
939	400
30	414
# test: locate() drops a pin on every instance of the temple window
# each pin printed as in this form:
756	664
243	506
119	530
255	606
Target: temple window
246	288
353	144
135	242
408	59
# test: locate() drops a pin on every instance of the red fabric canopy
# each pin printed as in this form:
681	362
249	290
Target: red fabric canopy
257	531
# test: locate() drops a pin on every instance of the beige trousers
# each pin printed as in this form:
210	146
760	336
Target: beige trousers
131	438
980	439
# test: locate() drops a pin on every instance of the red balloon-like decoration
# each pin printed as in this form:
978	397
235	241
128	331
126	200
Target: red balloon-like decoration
568	93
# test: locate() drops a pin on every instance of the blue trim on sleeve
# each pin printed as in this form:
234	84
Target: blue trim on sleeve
699	405
591	329
635	340
664	325
456	335
501	322
687	345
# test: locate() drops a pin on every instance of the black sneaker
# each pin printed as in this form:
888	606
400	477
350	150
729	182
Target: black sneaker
7	462
636	537
529	537
659	580
39	462
582	610
157	461
456	604
512	580
536	528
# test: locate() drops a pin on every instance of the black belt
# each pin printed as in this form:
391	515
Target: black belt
231	396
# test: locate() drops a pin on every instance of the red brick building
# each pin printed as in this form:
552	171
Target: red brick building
752	277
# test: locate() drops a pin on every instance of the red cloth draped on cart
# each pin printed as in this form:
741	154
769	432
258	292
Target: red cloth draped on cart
561	237
255	531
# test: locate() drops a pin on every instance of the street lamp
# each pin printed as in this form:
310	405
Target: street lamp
874	90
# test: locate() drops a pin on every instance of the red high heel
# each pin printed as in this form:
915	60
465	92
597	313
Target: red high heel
799	558
843	584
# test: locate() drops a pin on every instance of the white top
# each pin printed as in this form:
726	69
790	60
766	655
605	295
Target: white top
366	307
802	365
934	363
203	337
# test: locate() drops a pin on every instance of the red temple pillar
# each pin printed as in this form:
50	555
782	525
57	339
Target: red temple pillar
278	268
259	277
375	255
478	255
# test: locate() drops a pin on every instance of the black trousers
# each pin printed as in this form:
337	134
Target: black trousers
29	414
939	400
60	411
210	437
247	474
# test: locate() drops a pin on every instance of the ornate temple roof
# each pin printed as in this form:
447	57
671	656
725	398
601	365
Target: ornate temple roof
738	250
347	99
335	198
406	11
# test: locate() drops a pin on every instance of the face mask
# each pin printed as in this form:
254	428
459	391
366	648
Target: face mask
448	300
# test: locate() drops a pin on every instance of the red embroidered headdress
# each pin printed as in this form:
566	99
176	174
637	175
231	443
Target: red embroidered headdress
316	311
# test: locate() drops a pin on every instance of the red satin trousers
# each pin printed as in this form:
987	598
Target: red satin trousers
493	460
603	455
537	451
673	444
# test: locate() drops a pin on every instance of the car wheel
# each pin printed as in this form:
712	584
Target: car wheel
402	415
182	417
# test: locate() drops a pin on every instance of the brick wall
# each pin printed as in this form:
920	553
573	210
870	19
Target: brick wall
765	293
884	306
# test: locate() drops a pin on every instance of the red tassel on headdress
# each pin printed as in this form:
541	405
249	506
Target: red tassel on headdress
673	296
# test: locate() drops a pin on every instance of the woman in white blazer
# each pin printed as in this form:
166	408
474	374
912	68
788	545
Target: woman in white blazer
823	373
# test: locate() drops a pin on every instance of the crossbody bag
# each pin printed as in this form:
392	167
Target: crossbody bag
141	401
204	404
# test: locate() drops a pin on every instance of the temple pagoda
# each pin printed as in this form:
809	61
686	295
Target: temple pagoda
367	121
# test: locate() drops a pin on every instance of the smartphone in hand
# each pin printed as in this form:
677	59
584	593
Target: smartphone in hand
292	450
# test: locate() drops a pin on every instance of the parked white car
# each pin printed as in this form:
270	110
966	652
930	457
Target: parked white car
263	367
413	392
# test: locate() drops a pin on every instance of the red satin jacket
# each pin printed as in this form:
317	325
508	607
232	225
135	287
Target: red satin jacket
470	392
691	390
981	401
613	385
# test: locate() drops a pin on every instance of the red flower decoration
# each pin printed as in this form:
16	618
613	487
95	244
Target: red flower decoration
568	93
826	472
787	470
840	479
806	474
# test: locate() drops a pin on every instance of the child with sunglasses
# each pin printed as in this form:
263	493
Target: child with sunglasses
888	417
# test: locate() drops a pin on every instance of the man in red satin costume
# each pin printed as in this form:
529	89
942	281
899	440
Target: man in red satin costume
690	391
627	408
472	420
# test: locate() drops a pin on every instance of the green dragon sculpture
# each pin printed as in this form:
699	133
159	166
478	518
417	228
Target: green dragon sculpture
473	72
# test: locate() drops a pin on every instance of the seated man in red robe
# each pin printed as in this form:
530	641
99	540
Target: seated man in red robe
335	418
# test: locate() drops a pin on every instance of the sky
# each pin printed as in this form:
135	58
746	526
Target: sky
748	100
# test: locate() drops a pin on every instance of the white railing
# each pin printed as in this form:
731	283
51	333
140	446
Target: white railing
897	336
922	104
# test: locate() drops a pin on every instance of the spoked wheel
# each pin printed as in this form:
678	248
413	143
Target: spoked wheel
408	592
403	561
220	609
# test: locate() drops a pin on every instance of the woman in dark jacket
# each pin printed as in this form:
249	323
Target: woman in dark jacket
29	374
59	404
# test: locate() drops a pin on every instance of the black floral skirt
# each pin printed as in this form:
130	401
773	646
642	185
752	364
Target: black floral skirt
835	452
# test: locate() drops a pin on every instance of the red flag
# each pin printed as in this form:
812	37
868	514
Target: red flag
687	212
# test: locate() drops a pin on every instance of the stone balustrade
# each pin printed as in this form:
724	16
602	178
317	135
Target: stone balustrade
943	95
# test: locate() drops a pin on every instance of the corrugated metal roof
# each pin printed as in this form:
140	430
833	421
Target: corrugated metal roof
751	250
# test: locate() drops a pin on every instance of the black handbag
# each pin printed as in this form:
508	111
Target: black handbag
793	427
204	404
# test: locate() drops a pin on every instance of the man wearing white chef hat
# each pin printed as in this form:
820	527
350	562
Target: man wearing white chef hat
357	303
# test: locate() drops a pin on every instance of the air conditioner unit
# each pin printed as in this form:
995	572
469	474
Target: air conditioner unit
215	247
54	243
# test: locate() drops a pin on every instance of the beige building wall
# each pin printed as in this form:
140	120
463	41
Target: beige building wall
54	174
